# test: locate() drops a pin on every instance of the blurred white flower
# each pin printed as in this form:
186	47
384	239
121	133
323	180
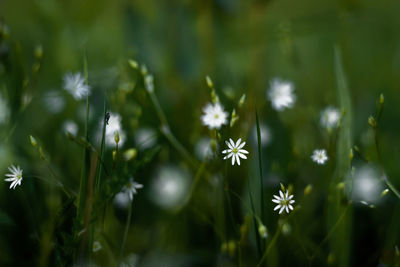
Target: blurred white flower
203	149
130	188
214	116
114	125
70	127
121	200
75	85
54	102
130	261
330	117
265	134
235	151
367	186
4	112
145	138
281	94
15	176
284	201
169	187
96	246
319	156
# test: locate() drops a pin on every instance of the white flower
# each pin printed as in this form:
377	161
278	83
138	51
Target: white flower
265	134
235	150
281	94
145	138
330	117
284	201
170	187
319	156
53	102
130	188
203	149
96	246
367	185
214	116
70	127
15	176
114	125
75	85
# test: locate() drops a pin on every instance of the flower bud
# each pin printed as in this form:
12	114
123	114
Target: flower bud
130	154
262	231
133	64
210	83
38	52
116	137
372	121
384	192
308	190
381	99
33	141
242	100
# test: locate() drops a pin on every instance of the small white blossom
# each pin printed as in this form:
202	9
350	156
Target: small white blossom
70	127
15	176
235	151
75	85
130	188
96	246
281	94
330	117
214	116
319	156
284	201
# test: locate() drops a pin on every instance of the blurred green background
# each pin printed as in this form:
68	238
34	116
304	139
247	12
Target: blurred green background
242	45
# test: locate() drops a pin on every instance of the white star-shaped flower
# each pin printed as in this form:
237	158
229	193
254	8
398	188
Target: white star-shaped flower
319	156
330	117
15	176
130	188
235	151
214	116
284	201
114	125
281	94
75	85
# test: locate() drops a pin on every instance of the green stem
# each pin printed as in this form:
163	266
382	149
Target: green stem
128	223
271	244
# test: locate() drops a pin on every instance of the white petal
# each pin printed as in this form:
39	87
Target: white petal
287	210
228	144
278	198
290	197
243	151
276	201
281	194
237	159
9	179
226	151
242	145
290	207
277	207
238	142
291	201
232	143
282	208
242	156
233	160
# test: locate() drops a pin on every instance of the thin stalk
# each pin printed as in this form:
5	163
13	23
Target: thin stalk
260	168
128	223
271	244
259	249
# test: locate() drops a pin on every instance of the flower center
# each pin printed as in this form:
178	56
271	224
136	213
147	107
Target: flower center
235	150
19	176
216	116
